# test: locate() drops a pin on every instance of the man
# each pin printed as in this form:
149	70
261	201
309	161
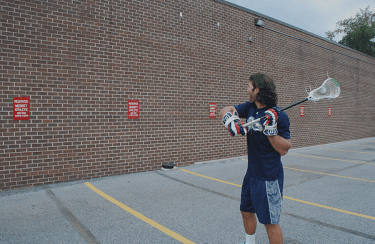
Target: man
267	141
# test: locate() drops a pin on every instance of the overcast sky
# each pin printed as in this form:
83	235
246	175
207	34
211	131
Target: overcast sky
315	16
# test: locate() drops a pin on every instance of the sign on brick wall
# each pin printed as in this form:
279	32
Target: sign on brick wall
212	110
329	111
133	109
21	108
302	111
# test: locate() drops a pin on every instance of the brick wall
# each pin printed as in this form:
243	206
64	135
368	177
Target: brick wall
79	62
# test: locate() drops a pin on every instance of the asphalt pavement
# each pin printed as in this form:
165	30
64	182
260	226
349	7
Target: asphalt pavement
329	197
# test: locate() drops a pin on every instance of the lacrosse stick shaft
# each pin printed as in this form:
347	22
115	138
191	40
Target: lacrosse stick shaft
253	122
294	104
287	107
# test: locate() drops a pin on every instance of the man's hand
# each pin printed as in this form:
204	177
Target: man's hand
270	124
233	123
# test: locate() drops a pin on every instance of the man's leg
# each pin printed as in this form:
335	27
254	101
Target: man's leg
249	222
275	235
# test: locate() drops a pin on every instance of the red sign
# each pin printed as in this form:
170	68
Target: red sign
133	109
302	111
329	111
212	110
21	108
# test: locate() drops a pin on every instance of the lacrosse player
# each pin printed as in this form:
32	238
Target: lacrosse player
267	141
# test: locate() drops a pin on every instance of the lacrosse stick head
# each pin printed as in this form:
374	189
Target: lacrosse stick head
329	89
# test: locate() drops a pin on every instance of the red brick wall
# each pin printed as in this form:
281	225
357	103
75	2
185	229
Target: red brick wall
79	62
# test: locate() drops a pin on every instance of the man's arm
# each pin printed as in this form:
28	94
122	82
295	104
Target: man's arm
280	144
226	110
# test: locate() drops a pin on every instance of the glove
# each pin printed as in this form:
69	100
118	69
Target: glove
270	124
234	124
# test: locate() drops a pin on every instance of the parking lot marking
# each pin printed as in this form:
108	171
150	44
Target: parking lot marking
352	178
335	159
140	216
205	176
291	198
331	208
358	145
340	150
324	173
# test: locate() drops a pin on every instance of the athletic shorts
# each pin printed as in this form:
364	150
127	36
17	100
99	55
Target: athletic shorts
263	198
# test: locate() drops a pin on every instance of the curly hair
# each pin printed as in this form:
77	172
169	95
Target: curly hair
267	89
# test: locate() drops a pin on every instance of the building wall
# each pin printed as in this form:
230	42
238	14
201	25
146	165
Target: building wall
79	62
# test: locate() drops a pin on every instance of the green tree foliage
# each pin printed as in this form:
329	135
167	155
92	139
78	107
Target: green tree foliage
359	32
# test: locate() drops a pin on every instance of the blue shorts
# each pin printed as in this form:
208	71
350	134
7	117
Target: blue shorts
263	198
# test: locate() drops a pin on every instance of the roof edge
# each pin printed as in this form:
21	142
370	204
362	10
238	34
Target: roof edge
291	26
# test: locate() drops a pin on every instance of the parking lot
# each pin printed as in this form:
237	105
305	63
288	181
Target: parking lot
329	197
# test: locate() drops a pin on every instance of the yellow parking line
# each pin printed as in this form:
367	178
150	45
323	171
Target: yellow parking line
340	150
358	145
291	198
352	178
140	216
226	182
331	208
334	159
326	173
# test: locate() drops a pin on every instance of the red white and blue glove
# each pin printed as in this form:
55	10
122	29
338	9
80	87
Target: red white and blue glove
270	124
233	123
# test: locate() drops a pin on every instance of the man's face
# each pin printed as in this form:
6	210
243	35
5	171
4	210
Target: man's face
252	92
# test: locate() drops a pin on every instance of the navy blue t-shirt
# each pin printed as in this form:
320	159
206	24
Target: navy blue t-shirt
264	162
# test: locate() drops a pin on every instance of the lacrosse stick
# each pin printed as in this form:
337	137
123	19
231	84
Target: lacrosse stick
329	89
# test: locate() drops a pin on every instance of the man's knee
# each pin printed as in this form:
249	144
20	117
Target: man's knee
275	234
248	215
272	228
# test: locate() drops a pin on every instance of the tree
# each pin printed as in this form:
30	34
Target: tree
359	32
